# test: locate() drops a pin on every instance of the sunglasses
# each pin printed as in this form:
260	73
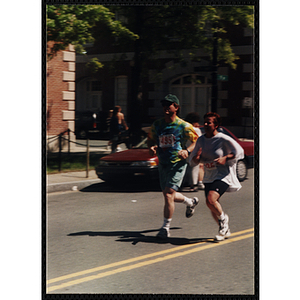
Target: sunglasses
166	103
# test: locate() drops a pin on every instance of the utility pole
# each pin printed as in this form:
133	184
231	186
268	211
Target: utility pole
136	101
87	157
214	75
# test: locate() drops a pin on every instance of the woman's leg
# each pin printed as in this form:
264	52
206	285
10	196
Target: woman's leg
212	201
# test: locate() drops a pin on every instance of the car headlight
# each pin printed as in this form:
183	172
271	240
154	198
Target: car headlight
148	163
103	163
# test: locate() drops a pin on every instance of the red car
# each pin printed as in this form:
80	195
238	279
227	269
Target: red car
137	163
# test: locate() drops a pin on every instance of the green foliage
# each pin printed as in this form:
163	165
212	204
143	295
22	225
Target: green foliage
94	65
154	28
239	15
177	28
71	162
72	24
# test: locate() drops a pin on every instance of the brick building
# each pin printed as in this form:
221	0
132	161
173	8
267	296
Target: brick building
60	95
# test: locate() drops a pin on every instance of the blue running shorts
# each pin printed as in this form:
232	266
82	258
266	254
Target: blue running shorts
171	175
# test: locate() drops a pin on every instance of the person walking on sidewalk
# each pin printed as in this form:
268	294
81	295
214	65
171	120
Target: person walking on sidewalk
219	154
117	126
167	138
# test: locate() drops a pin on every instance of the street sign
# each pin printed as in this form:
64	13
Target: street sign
247	102
222	77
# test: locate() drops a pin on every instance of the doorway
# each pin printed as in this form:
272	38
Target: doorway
193	91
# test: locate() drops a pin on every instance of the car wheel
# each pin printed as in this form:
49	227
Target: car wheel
241	170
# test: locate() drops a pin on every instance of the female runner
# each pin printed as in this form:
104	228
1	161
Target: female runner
219	154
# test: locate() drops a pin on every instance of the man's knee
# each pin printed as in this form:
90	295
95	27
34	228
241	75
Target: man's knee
169	194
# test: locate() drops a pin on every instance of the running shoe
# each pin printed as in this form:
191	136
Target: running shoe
191	209
224	231
194	188
201	186
163	234
219	237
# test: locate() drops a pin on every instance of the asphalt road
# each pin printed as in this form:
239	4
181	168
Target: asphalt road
102	240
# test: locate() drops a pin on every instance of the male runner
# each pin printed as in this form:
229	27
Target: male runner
167	138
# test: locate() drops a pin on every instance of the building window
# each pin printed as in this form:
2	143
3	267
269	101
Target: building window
89	95
96	86
193	91
121	83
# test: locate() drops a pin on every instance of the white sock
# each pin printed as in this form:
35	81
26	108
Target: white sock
222	216
188	201
167	223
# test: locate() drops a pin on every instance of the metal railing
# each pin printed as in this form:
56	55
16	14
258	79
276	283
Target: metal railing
60	137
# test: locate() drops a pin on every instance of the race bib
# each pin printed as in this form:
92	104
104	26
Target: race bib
166	141
210	165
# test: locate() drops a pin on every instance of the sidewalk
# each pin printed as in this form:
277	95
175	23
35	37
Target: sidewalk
70	181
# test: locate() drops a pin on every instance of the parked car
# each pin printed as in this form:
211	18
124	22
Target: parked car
128	165
90	124
137	163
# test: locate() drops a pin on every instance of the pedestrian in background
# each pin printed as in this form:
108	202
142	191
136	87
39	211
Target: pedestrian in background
194	174
167	138
117	127
219	154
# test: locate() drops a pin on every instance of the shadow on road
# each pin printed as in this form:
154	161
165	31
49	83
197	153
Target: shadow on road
136	237
127	187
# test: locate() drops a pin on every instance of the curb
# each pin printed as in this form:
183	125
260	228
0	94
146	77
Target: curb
70	186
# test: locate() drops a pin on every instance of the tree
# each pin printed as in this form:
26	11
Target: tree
179	28
147	30
73	24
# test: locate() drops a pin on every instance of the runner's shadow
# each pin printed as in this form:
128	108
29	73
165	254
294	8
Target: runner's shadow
123	187
177	241
136	237
120	234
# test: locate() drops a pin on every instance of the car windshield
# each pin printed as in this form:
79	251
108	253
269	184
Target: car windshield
223	130
142	144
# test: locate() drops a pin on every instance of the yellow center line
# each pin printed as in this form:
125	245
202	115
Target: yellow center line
141	264
130	260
